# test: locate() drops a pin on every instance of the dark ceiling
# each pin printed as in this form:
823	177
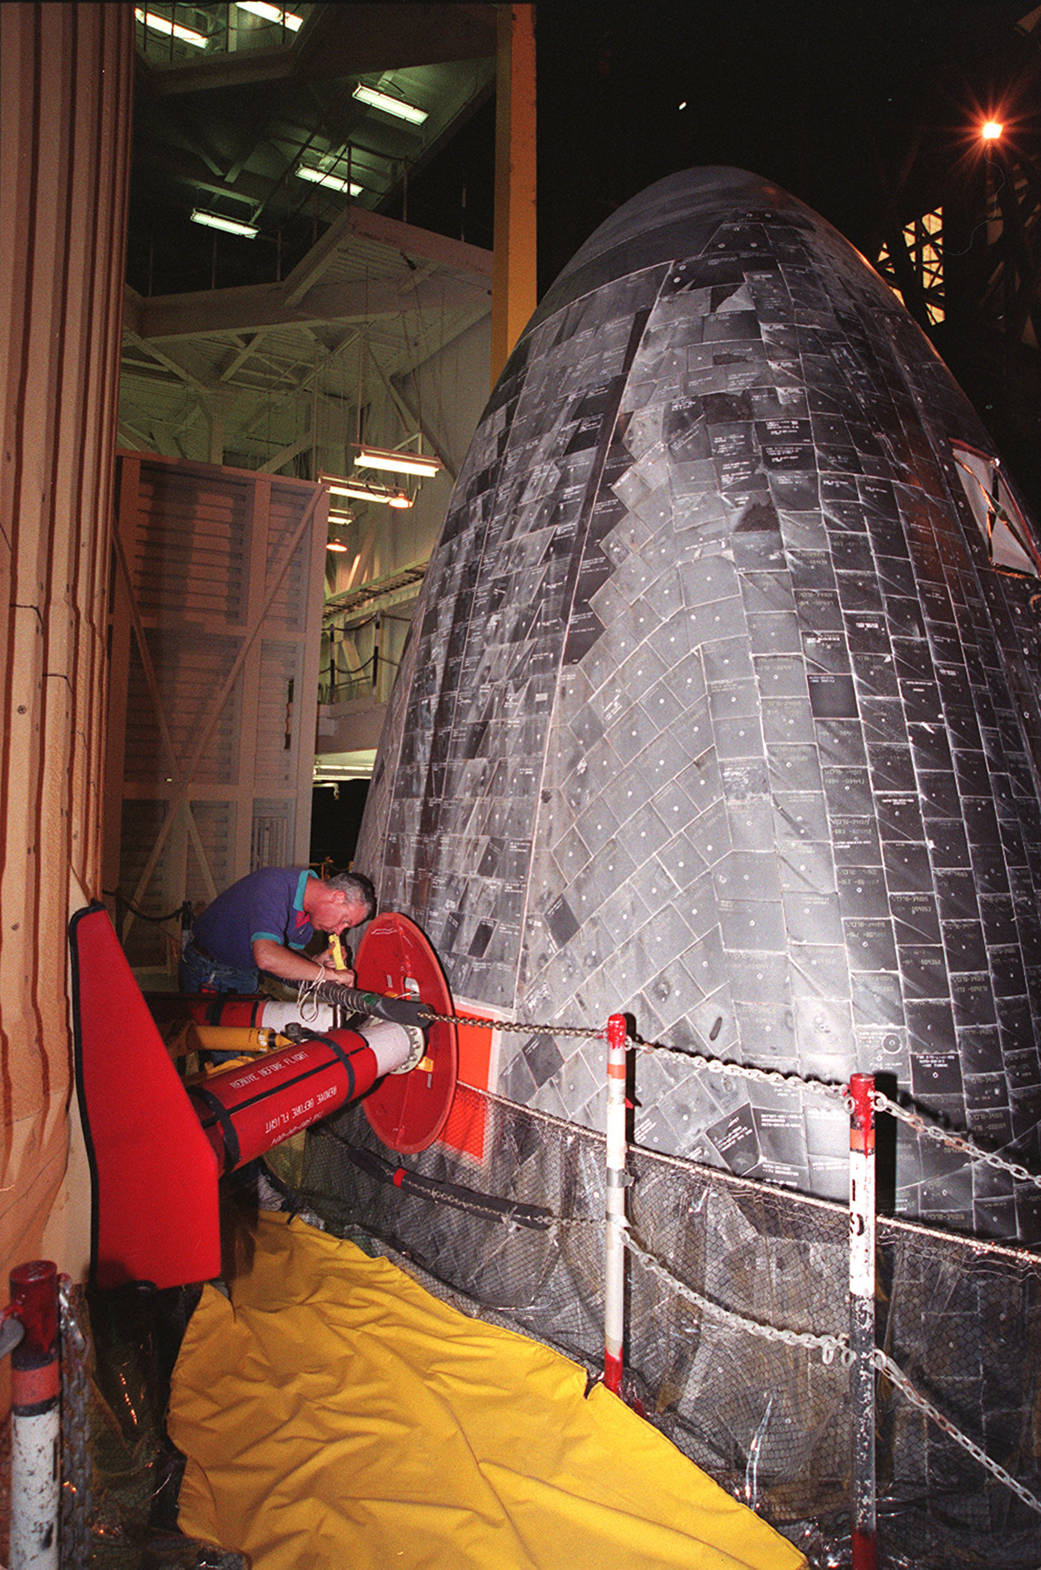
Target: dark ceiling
868	112
226	126
846	104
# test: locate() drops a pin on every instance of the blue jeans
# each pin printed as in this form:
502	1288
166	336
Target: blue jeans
198	973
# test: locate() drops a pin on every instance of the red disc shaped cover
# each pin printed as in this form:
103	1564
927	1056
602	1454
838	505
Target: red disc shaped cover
408	1111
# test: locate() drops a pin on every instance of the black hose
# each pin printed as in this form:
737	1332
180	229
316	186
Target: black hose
403	1011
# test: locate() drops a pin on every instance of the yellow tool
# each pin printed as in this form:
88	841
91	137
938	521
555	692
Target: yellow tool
334	943
239	1038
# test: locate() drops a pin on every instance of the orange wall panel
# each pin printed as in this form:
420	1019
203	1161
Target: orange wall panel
66	74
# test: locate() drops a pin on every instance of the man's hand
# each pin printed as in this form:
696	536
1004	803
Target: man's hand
335	964
290	965
344	978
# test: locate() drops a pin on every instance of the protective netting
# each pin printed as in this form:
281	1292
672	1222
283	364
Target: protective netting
724	1345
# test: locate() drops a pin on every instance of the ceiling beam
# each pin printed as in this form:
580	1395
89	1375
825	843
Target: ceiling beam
275	463
180	371
132	303
246	351
411	421
401	584
129	436
220	70
363	300
255	306
401	238
377	41
463	280
163	163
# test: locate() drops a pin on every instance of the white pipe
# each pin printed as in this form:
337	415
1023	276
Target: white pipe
862	1320
35	1417
392	1044
35	1484
614	1208
273	1015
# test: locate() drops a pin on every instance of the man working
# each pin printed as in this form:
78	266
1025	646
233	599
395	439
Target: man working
265	921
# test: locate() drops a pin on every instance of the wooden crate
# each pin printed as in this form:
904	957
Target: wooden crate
216	604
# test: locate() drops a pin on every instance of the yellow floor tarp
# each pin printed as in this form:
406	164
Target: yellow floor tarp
336	1416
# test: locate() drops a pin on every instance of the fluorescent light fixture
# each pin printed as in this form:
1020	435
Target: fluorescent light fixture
334	181
398	462
358	493
228	225
364	493
389	104
272	13
163	24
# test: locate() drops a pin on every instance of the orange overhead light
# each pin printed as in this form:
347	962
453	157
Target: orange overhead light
991	130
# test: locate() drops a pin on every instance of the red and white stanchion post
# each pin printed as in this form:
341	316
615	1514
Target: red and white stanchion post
614	1210
35	1418
862	1317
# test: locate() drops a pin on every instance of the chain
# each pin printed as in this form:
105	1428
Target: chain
523	1027
77	1480
882	1103
768	1076
900	1379
828	1346
714	1065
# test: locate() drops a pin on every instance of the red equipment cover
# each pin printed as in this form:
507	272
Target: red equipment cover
408	1111
247	1110
224	1009
154	1202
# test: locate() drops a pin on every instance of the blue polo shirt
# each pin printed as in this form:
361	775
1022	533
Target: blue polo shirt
264	904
